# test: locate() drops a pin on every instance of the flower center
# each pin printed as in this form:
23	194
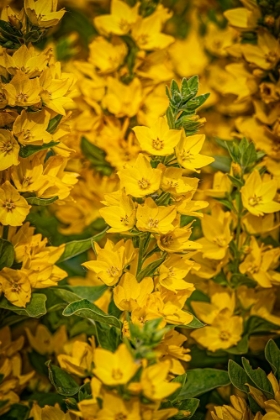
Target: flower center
117	374
187	155
143	39
152	223
270	57
158	144
220	241
143	183
254	200
113	271
9	205
120	416
6	147
124	25
124	220
22	97
167	239
224	335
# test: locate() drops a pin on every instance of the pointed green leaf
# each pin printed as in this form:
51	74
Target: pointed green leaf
36	201
7	254
238	376
34	309
63	382
86	309
200	381
272	355
26	151
53	124
259	378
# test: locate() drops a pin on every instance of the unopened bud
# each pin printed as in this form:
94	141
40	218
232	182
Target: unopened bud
269	20
236	169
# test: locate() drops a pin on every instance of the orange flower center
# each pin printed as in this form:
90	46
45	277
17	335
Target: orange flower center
113	271
6	147
167	239
120	416
152	223
22	97
124	25
117	374
124	220
158	144
224	335
143	183
254	200
9	205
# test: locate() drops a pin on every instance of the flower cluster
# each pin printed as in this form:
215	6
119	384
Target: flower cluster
139	248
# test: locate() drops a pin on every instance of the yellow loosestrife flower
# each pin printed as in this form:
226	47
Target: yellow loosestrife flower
116	408
16	286
121	215
9	150
177	240
30	128
107	56
258	194
22	91
43	13
109	263
110	367
266	54
153	218
13	207
217	234
27	60
154	381
158	140
187	152
120	21
140	179
147	33
130	293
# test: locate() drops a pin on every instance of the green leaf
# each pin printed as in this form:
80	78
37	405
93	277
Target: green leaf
189	88
16	412
86	309
235	181
195	103
108	337
170	118
200	381
46	398
238	376
38	362
272	355
75	293
181	379
225	203
75	248
34	309
53	124
96	156
26	151
150	269
36	201
7	254
63	382
259	378
190	405
202	358
256	325
221	163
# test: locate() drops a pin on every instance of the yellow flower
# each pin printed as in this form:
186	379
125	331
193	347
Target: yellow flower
22	91
224	333
110	367
9	150
13	207
154	381
123	100
153	218
266	54
129	293
116	408
107	56
173	271
46	343
257	195
147	35
42	13
79	359
140	179
50	413
109	263
217	234
121	215
30	128
26	60
177	240
244	18
176	184
187	152
261	264
221	186
16	286
120	21
55	89
28	175
238	411
158	140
